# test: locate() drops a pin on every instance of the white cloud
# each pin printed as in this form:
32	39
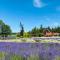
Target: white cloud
38	3
55	24
51	22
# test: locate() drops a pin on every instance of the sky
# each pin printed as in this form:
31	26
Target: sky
30	13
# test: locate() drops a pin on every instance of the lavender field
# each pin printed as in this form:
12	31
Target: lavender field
29	51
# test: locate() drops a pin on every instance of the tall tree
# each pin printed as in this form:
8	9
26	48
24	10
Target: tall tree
21	30
41	29
34	32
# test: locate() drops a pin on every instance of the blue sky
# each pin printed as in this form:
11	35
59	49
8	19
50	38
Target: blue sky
31	13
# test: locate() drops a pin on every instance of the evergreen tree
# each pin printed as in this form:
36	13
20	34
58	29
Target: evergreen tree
21	30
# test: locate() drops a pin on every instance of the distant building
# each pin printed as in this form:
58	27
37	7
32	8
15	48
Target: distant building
48	33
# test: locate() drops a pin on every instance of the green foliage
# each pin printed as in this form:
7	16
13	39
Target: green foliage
26	35
34	32
17	57
2	54
22	30
10	56
33	57
18	35
1	22
5	30
57	58
38	32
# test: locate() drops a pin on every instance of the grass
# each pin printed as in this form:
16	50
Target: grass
31	41
2	56
6	56
16	57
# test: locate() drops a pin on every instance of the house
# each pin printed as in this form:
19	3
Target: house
48	33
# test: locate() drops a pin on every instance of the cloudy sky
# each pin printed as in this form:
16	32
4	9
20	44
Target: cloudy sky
30	12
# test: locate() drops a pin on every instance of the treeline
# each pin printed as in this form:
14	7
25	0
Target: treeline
5	30
38	32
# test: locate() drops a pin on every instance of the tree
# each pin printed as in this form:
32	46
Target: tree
41	29
22	30
49	28
1	25
33	32
5	30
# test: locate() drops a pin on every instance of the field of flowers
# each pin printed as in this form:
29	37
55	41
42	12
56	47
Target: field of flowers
29	51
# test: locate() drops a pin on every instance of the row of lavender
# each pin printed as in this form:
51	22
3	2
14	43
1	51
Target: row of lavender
31	51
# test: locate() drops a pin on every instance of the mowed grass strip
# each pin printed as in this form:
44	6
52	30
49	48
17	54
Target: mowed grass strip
31	41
